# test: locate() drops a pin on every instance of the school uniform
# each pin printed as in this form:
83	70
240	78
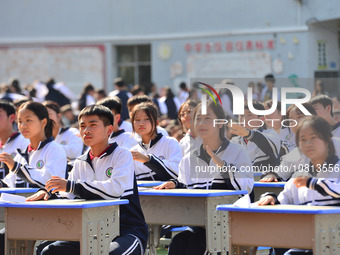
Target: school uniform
263	147
126	125
109	176
189	144
336	130
71	142
16	141
192	175
199	171
123	139
287	138
165	155
33	168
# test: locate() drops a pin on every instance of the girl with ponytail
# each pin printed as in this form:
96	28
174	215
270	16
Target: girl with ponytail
43	157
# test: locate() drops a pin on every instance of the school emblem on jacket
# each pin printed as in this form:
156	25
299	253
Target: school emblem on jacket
40	164
109	172
63	142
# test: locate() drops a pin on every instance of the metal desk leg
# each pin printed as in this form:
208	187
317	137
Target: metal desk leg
153	241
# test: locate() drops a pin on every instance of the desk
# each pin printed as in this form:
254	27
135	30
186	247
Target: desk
149	183
188	207
286	226
18	191
263	187
93	223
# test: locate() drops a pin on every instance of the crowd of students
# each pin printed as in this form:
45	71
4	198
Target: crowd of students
104	156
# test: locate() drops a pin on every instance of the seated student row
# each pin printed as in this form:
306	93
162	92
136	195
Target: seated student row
150	140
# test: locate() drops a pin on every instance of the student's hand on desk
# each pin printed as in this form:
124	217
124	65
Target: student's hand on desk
166	185
301	181
7	159
269	178
267	200
238	130
56	184
41	194
136	155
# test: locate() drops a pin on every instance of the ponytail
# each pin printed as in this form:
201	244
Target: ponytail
49	128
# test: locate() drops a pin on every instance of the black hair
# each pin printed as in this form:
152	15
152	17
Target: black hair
324	100
183	86
113	103
270	78
218	111
88	87
322	128
119	82
103	113
136	89
52	105
7	106
41	112
151	111
101	92
137	100
14	83
257	105
169	93
308	107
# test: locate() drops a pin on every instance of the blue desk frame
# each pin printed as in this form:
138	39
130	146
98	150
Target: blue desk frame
149	183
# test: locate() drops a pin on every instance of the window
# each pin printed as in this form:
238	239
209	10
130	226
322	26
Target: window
134	63
322	61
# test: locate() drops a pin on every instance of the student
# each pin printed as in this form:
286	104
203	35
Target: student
43	157
215	151
132	102
294	157
86	96
120	136
169	104
104	172
68	137
156	157
318	183
262	144
10	140
323	106
190	141
121	92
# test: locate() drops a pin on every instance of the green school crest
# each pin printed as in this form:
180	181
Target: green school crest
109	172
40	164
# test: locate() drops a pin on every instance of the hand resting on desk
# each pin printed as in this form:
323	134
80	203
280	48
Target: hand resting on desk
166	185
55	184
